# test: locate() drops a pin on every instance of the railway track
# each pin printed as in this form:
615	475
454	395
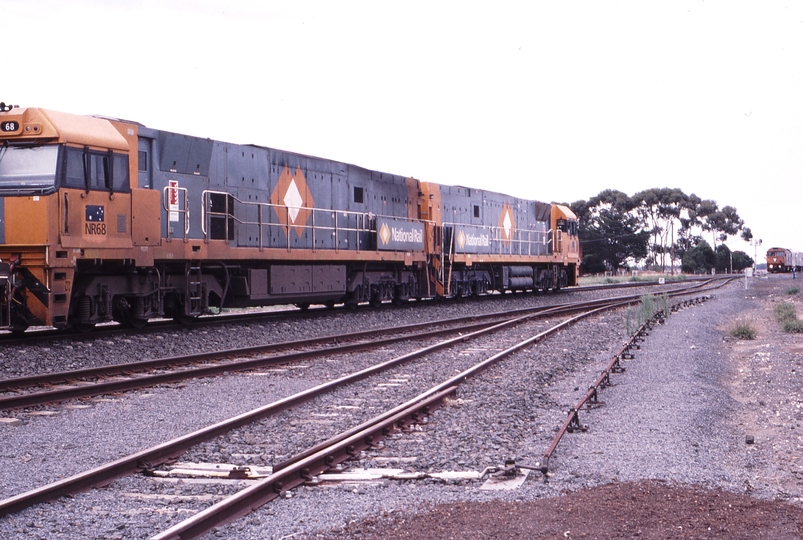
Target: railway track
346	445
149	458
44	334
47	388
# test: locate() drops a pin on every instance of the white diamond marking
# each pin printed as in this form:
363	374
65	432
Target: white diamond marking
293	200
507	224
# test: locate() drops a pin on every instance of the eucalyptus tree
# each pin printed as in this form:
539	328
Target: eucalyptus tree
611	233
660	209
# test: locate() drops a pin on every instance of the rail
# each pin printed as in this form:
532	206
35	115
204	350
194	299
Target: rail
591	397
146	459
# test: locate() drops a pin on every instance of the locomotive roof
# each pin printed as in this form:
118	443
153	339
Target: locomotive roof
39	124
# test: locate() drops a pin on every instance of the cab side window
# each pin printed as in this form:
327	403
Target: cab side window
95	170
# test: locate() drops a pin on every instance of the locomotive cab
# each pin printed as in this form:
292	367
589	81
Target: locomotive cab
64	200
566	245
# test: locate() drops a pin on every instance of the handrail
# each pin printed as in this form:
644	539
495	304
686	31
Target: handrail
533	238
185	211
363	222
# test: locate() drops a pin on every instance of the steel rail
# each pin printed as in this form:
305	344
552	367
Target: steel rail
298	468
158	454
161	453
264	491
327	457
322	457
156	325
104	371
591	397
113	386
107	387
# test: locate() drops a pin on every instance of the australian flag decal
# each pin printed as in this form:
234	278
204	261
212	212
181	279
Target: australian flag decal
94	213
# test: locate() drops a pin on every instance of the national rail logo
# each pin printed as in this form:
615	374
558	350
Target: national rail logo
384	234
292	201
461	240
507	223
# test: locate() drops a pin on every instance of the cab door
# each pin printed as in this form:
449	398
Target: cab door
95	202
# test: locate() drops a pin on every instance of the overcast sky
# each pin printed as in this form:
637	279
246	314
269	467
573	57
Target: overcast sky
553	101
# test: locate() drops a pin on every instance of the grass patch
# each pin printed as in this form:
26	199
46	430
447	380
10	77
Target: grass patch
787	316
650	305
792	290
784	312
597	280
793	326
744	330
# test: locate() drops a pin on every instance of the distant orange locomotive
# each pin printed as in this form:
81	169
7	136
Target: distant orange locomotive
104	219
784	260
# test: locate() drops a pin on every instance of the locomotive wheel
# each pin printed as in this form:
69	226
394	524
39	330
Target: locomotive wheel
184	319
353	298
18	328
135	322
84	328
398	300
376	300
330	304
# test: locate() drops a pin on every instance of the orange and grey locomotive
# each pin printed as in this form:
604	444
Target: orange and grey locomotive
104	219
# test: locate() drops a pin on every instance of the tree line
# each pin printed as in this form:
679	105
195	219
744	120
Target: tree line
658	227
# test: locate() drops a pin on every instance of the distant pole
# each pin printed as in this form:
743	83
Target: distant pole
672	253
755	244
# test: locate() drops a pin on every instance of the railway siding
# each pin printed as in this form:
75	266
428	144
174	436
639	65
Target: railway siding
484	436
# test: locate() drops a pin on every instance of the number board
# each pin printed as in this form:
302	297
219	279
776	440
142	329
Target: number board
9	126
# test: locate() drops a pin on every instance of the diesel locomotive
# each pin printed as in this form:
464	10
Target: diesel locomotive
107	220
784	260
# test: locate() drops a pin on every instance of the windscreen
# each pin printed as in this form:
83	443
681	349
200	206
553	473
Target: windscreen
26	169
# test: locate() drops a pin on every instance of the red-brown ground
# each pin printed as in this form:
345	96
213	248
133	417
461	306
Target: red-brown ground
643	510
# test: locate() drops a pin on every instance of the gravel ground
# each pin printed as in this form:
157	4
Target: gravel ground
668	454
689	430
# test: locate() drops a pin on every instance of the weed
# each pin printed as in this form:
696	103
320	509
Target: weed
786	315
743	330
663	305
647	309
793	326
792	290
784	312
635	317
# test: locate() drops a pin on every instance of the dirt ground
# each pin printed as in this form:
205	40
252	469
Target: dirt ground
769	383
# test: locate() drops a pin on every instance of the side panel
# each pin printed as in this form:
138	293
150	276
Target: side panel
305	279
94	220
27	219
145	217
